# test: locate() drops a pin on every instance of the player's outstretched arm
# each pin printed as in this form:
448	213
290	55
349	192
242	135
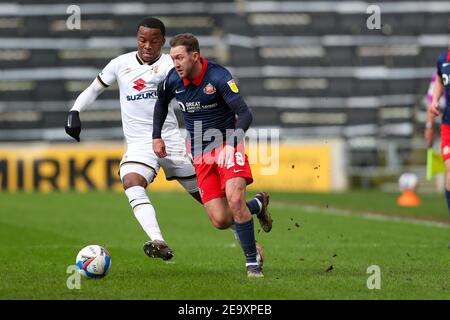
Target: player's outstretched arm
429	130
84	100
244	120
159	116
433	108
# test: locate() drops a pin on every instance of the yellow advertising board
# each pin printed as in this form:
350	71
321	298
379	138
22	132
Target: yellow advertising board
83	167
60	167
293	168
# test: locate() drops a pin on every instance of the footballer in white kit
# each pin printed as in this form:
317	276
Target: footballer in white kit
138	74
138	83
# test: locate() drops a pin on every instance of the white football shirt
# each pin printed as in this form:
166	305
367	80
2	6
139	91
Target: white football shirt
138	83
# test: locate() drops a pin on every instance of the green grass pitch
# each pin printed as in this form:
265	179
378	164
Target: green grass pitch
40	235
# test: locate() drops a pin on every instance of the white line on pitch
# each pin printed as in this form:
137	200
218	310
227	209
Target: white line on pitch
362	214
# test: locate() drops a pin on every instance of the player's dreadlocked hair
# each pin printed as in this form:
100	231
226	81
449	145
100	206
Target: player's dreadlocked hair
186	39
150	22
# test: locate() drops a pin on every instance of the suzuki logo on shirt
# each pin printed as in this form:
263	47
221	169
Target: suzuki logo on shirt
144	95
139	84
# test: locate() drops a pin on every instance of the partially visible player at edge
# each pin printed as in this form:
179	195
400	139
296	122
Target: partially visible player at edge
138	74
441	86
210	100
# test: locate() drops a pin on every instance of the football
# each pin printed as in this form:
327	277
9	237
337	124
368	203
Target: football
93	262
408	182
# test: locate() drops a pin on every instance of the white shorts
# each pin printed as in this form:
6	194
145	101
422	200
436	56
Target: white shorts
141	159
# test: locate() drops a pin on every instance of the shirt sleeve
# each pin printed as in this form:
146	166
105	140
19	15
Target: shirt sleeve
88	96
165	95
109	74
230	93
227	87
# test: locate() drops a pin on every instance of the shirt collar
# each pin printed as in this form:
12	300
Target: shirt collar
142	62
200	76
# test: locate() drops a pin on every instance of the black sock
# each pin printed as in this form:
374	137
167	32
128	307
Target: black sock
253	206
246	235
447	197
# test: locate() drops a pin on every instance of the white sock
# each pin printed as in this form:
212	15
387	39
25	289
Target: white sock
146	216
144	212
259	204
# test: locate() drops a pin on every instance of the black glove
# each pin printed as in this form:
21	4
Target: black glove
73	125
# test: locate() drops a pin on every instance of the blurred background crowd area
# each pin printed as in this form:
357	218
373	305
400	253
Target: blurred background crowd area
312	69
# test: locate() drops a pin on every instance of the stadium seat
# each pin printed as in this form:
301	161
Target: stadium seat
334	40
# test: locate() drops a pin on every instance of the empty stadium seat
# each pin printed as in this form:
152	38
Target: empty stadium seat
335	41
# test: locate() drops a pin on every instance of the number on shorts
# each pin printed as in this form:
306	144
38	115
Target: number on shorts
239	158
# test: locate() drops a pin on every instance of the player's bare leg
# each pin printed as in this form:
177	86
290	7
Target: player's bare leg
134	185
221	216
447	185
219	213
235	189
218	208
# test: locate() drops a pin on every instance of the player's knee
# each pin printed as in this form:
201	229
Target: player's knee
447	180
219	217
236	199
447	183
236	203
133	180
222	223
